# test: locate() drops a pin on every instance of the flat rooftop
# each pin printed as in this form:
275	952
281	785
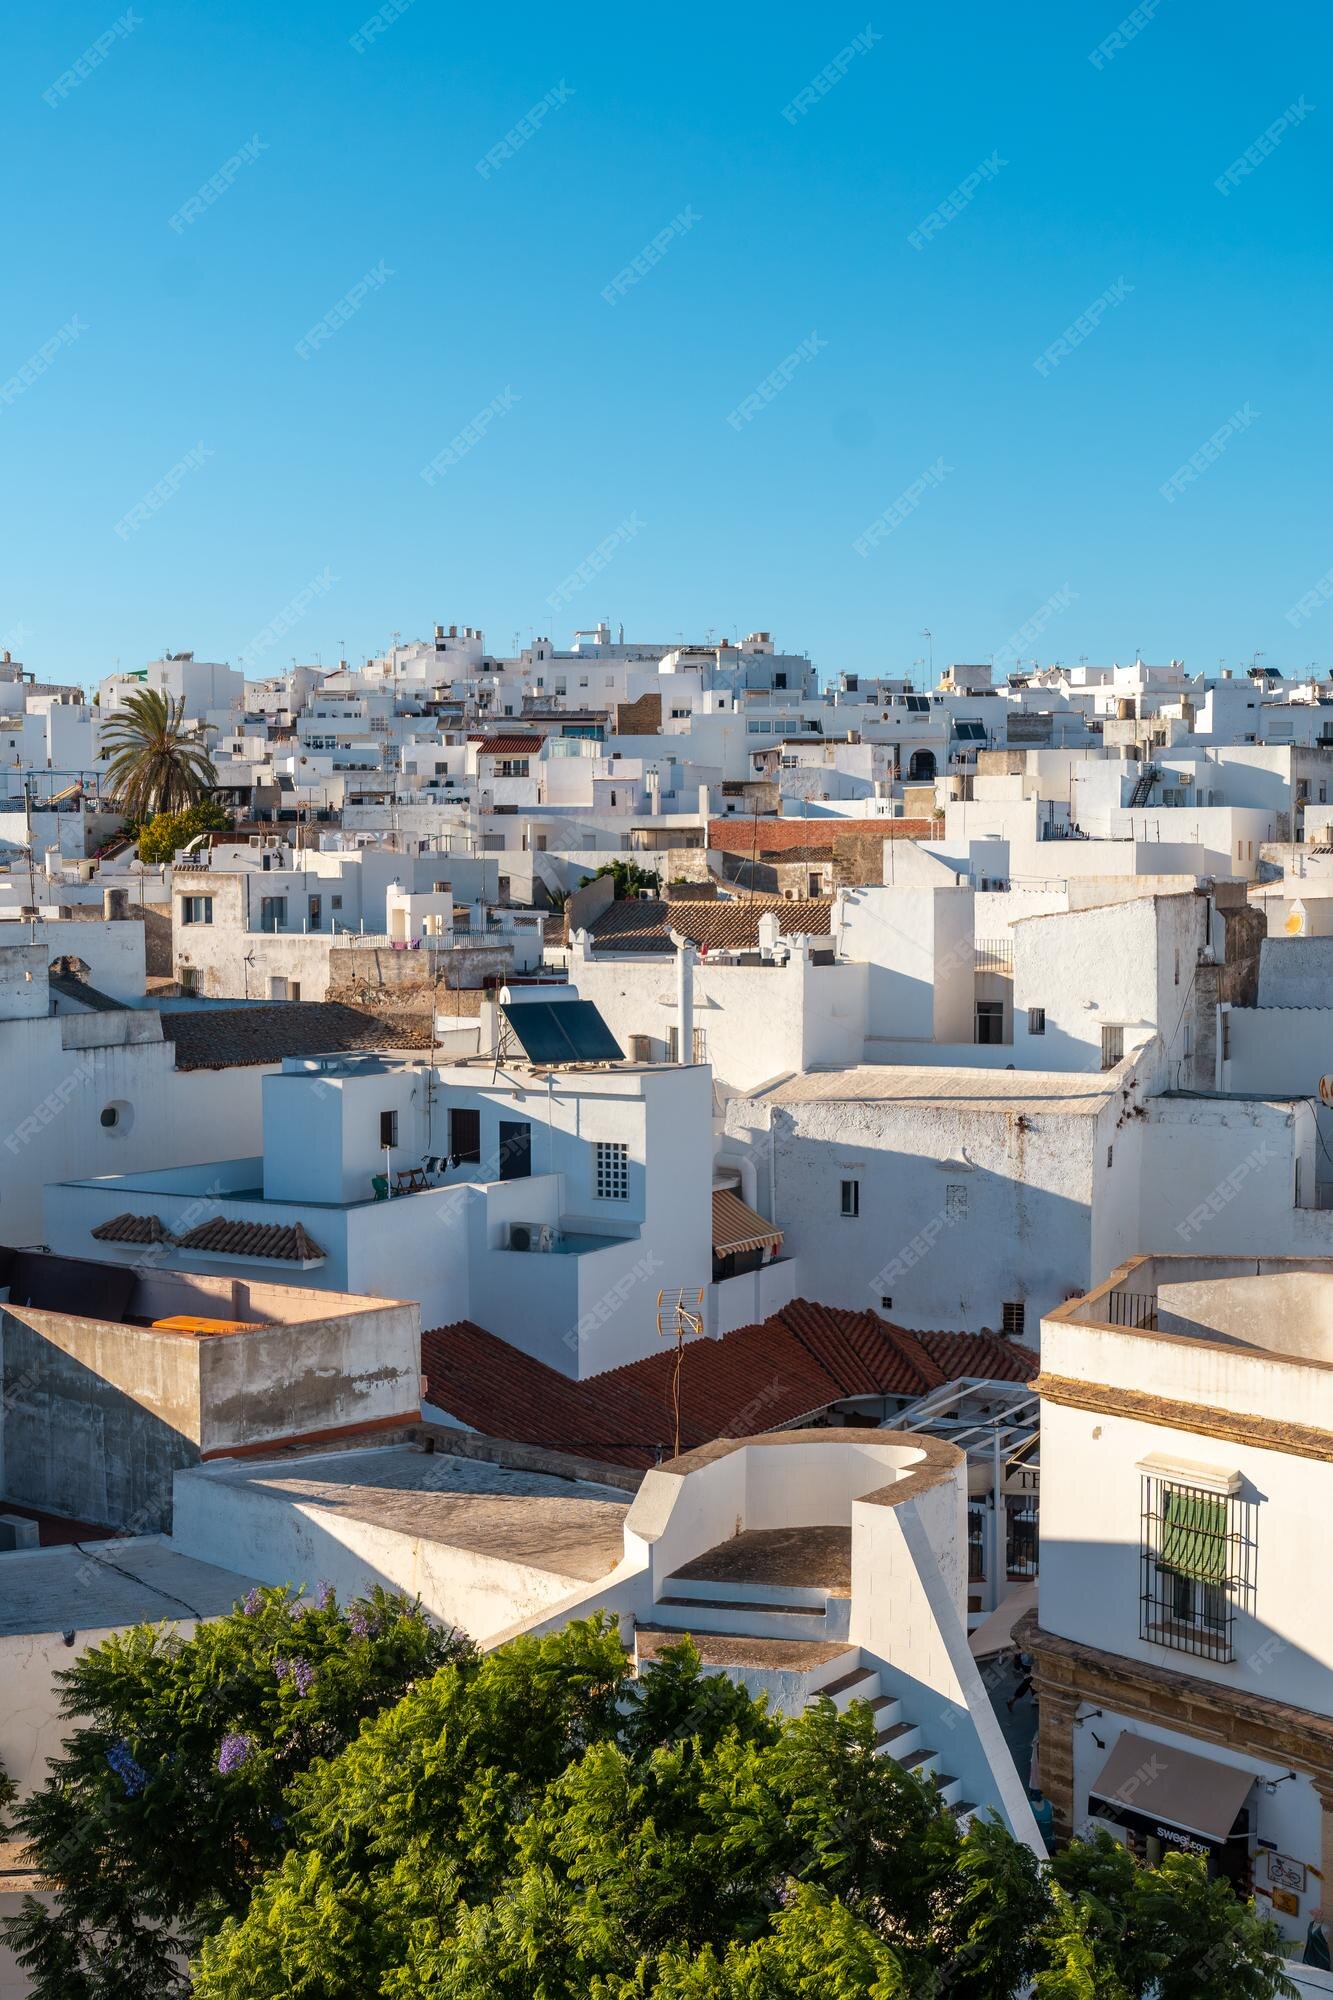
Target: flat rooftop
106	1583
1077	1094
569	1527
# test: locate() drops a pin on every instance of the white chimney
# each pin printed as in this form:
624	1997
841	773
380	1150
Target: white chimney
684	1000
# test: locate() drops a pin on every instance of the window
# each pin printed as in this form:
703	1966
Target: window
388	1129
1113	1046
315	907
1197	1561
1011	1318
464	1136
990	1021
1036	1020
187	978
851	1198
515	1149
273	913
110	1118
886	1302
196	909
1110	1155
611	1170
335	902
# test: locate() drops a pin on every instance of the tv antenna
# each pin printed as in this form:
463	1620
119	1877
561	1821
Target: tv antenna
678	1313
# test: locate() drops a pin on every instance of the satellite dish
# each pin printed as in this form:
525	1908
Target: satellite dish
1326	1090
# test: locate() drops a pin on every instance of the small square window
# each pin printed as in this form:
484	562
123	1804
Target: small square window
886	1302
1013	1314
612	1170
851	1198
1036	1020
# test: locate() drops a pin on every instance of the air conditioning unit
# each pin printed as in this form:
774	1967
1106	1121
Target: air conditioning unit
533	1236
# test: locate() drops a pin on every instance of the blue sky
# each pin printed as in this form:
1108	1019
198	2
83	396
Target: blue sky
490	285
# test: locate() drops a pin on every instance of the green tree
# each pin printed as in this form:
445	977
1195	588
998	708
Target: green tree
156	763
170	1800
162	837
537	1825
629	878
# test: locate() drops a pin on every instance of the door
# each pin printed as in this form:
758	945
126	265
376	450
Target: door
515	1150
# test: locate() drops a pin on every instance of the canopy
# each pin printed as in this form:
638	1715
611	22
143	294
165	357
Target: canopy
737	1227
1160	1781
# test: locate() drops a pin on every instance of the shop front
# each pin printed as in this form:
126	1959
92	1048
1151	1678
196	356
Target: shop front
1159	1799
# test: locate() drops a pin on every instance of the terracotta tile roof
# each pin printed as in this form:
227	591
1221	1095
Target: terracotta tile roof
759	1378
131	1229
226	1037
743	834
737	1227
224	1238
508	746
635	925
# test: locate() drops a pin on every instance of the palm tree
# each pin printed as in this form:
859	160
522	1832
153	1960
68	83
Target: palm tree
157	765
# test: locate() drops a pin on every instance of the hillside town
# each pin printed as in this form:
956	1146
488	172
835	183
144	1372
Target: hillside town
837	1167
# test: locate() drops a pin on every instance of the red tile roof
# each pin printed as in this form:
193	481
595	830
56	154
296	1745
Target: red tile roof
508	746
227	1037
131	1229
645	924
757	1379
224	1238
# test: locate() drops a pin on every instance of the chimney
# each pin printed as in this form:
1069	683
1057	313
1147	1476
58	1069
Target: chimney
115	905
684	1000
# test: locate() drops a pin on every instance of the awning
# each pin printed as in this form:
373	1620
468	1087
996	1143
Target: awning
736	1226
996	1635
1157	1781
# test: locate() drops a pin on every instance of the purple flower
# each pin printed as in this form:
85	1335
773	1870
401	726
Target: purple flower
235	1751
299	1609
300	1673
131	1774
327	1597
362	1622
253	1602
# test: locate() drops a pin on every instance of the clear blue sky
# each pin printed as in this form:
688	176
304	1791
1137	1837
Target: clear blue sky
620	411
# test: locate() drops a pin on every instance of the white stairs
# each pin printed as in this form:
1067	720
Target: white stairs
792	1640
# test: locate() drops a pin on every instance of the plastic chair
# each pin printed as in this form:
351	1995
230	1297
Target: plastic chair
380	1183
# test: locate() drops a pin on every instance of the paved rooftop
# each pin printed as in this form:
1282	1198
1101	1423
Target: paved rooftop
806	1558
566	1526
1003	1091
110	1583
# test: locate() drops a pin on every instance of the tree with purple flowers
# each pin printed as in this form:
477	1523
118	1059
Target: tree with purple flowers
173	1794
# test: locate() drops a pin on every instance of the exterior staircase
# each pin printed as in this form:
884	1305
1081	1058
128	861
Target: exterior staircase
788	1639
1142	791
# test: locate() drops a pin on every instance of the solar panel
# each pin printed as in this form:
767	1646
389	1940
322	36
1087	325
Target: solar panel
562	1031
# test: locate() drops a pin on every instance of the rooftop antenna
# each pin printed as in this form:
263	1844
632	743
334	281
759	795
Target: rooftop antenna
928	635
678	1313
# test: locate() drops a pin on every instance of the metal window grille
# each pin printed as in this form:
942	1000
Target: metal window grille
1023	1542
1197	1566
976	1544
1012	1317
612	1170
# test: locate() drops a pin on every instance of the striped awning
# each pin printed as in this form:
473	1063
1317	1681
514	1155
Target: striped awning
736	1226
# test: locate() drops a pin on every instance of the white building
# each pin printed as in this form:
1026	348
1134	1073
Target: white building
1184	1636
